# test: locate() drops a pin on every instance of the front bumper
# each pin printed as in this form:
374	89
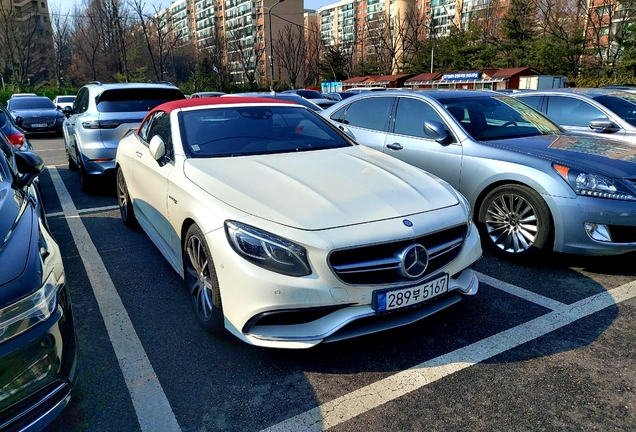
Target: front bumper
334	310
38	371
570	216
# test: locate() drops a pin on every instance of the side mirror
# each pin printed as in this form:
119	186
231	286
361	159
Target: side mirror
435	130
603	125
67	111
157	147
19	120
347	131
30	165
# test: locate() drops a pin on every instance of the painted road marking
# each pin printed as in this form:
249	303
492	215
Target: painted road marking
82	211
365	399
150	402
520	292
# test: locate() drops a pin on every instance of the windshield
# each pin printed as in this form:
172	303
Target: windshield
135	99
624	106
31	103
65	98
498	117
244	131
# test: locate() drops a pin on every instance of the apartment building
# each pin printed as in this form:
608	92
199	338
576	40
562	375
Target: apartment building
28	24
245	27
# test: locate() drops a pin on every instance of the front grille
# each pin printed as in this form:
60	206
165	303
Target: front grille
36	406
41	120
379	264
622	234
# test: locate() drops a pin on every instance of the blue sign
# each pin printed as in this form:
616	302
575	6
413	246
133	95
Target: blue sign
461	76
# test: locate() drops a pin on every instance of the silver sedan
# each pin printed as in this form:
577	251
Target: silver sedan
605	112
532	185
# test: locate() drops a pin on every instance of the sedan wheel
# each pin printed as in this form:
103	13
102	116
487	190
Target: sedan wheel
123	199
202	281
515	221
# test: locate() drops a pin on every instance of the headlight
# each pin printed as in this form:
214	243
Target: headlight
267	250
469	211
59	120
589	184
19	317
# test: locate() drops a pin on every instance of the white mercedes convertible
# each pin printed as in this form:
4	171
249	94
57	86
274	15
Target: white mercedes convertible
286	231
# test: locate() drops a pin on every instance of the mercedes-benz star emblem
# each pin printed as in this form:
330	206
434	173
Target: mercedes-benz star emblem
414	260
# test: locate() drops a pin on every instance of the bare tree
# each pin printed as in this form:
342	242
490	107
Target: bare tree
61	26
159	37
88	37
607	23
245	54
290	52
18	43
313	55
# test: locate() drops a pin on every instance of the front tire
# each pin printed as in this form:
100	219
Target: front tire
123	199
514	221
200	276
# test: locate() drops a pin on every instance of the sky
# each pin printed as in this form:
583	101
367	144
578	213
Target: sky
67	5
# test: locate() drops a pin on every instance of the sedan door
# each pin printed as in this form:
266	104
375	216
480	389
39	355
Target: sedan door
149	186
408	141
368	119
575	115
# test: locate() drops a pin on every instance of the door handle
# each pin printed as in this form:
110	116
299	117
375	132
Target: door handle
139	154
395	146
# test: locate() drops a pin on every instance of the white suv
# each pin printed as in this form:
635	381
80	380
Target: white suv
100	116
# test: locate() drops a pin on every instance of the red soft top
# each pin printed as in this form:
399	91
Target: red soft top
188	103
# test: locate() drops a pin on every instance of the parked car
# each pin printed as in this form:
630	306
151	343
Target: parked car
15	134
280	96
338	96
206	94
36	114
313	96
610	113
286	232
101	115
532	186
63	101
37	336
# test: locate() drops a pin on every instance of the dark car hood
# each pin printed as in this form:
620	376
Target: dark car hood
37	113
18	247
585	153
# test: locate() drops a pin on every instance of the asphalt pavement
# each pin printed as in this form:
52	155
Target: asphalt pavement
542	346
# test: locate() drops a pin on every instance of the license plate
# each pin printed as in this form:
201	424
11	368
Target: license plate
399	298
39	125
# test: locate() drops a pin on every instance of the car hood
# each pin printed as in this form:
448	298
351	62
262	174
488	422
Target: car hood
321	189
607	157
37	113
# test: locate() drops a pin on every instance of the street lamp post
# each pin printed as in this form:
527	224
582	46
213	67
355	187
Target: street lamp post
271	46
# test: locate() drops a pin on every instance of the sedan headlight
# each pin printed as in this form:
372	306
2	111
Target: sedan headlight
469	211
267	250
590	184
20	316
59	120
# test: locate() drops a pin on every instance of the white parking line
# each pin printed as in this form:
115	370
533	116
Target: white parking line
151	405
520	292
365	399
82	211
